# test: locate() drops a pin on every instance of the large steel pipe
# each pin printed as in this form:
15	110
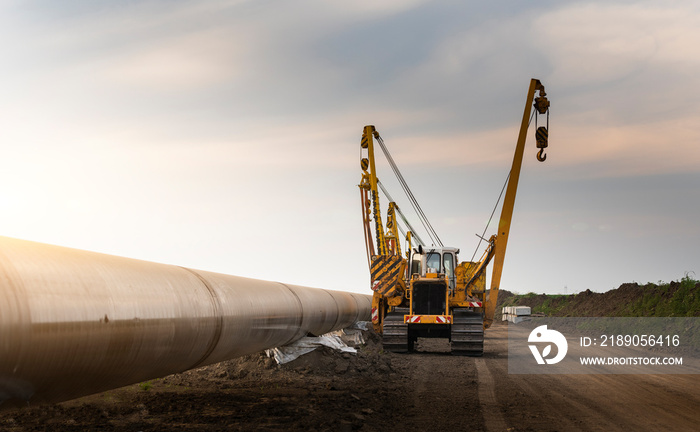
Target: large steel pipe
74	323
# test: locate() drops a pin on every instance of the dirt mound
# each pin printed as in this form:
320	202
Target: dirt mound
323	361
254	366
505	298
677	298
610	303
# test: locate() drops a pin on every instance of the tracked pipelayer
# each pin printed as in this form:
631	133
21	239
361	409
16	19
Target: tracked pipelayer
426	293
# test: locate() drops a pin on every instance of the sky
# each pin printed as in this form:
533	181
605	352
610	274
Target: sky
224	135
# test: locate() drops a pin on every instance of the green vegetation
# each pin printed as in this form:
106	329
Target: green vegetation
552	305
145	386
675	299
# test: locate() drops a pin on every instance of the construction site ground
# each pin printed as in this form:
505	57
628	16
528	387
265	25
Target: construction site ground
378	391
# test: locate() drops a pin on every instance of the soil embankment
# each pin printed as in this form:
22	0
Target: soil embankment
674	299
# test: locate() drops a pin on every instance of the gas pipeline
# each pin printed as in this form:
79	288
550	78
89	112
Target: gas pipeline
74	322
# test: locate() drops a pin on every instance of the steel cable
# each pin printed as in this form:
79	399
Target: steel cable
412	199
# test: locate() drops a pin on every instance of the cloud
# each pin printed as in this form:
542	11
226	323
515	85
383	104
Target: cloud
374	9
594	150
621	78
491	148
591	44
183	63
623	64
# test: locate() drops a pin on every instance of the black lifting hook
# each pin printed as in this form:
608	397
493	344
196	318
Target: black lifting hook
541	136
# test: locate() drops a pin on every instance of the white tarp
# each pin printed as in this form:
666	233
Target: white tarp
362	325
351	337
338	340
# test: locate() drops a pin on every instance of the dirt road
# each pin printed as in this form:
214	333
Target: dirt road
493	400
585	402
377	391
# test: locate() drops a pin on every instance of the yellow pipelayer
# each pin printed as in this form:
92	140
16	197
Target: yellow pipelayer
427	293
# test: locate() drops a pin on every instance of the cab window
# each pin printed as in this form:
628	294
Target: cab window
448	261
432	261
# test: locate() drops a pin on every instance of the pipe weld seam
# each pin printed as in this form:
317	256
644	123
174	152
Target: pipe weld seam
218	315
296	335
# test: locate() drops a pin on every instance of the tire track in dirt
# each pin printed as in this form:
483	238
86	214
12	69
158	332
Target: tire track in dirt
444	389
644	402
490	408
548	402
528	406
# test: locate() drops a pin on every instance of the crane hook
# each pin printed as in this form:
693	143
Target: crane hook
541	135
541	156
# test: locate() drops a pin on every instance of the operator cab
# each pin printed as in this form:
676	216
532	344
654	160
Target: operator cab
434	262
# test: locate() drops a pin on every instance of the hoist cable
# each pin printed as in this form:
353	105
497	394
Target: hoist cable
412	199
403	217
408	192
481	237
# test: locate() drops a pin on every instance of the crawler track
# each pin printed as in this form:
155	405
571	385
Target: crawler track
467	338
395	332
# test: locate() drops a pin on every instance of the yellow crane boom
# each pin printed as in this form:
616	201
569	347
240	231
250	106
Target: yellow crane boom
542	106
